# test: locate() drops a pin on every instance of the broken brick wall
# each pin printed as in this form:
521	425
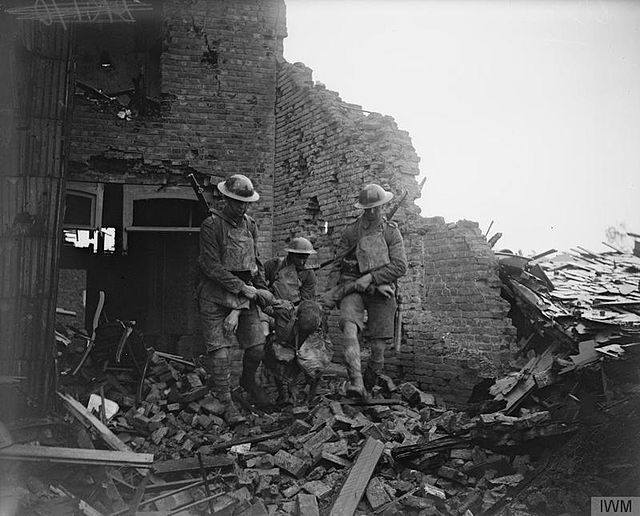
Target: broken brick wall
456	326
455	323
213	114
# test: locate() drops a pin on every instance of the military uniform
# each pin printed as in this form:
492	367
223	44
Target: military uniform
373	258
379	250
286	282
228	259
297	316
230	274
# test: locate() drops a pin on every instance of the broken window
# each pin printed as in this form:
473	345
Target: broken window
82	222
159	209
122	62
83	205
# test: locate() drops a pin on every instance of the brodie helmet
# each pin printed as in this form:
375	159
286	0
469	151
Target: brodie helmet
300	245
238	187
373	195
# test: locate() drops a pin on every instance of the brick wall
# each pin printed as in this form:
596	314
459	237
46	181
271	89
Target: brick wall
217	75
455	326
230	104
456	329
214	116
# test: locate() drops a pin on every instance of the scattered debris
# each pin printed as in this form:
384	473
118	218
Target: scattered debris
401	452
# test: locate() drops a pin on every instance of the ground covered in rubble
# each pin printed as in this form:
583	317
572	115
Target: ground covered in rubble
403	453
602	459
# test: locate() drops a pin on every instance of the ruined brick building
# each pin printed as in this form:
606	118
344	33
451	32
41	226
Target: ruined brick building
202	87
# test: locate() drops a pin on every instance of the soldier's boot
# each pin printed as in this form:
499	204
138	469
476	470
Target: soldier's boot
284	396
313	388
220	371
355	387
376	363
250	362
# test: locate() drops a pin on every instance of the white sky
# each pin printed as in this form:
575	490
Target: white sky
526	113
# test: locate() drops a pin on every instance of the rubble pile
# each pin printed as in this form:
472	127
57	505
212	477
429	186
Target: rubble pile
402	452
143	433
578	319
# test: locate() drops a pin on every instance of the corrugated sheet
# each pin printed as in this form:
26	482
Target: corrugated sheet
32	171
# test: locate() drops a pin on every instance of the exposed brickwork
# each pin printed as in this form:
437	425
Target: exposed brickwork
217	82
455	326
218	73
230	104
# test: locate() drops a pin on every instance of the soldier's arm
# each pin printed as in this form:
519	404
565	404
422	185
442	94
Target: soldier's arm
308	287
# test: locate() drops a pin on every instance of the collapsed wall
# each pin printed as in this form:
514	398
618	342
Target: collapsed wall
456	328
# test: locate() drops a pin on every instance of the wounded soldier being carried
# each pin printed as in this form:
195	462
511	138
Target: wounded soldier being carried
297	349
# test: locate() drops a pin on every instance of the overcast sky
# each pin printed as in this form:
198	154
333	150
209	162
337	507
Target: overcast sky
526	113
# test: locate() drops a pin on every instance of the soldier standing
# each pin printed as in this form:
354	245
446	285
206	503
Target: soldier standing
230	276
374	258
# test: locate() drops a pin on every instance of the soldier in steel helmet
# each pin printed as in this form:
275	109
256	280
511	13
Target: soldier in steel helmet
373	259
287	277
231	279
296	314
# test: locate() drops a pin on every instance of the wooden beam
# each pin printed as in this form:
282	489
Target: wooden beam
356	483
90	421
245	440
23	452
191	464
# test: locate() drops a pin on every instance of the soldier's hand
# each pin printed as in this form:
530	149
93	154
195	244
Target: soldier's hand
385	290
249	291
363	282
230	324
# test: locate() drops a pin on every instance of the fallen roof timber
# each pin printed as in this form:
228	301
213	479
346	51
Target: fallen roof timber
23	452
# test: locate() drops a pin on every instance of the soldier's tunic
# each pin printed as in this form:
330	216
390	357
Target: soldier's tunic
228	259
380	252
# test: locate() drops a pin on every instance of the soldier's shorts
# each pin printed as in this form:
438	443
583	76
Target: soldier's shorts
380	313
250	330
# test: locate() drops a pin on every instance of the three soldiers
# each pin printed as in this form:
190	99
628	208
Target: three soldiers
232	286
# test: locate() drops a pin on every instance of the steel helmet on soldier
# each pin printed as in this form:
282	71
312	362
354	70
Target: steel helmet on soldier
238	187
373	195
300	245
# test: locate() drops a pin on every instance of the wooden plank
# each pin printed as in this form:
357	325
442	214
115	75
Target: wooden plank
191	464
245	440
374	401
90	421
356	483
76	456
